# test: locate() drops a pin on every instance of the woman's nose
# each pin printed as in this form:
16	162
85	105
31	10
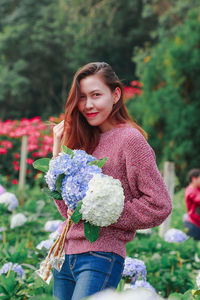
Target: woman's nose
88	103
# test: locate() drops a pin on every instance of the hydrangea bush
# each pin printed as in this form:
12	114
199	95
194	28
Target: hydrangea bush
14	267
174	235
134	269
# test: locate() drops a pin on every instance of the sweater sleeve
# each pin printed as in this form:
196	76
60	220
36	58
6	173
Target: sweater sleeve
153	205
62	207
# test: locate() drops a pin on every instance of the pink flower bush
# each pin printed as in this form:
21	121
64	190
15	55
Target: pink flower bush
40	142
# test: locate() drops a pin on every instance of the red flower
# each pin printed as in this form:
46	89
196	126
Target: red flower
34	154
3	150
6	144
129	92
16	155
136	83
14	181
16	165
29	161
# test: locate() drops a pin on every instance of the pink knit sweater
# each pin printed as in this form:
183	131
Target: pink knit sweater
147	202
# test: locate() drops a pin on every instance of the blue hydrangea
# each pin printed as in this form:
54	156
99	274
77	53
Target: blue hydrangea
134	269
74	187
77	175
175	235
61	164
144	284
16	268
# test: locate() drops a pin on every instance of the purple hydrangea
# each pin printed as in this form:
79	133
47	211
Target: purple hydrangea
16	268
175	235
144	284
77	175
134	269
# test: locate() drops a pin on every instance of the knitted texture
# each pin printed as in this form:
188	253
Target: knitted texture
147	202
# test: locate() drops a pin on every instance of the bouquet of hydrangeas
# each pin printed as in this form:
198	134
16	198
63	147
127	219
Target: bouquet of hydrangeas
97	199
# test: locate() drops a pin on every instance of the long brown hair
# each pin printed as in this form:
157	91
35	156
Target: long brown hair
81	135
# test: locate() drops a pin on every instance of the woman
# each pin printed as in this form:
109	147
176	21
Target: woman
97	121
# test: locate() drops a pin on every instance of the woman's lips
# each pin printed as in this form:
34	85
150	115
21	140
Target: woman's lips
90	115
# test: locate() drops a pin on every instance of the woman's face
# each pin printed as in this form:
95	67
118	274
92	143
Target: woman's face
96	101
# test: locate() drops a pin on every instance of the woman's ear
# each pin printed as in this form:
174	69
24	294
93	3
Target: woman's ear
116	95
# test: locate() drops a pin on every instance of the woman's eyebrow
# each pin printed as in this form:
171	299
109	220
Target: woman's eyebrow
91	92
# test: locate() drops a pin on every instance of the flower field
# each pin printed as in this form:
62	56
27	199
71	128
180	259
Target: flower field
26	230
39	145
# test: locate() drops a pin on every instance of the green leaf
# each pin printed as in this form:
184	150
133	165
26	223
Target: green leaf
175	296
59	181
99	163
67	151
42	164
197	293
91	232
76	216
53	194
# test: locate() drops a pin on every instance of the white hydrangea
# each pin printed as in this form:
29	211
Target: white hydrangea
10	200
17	220
198	280
104	201
137	294
53	225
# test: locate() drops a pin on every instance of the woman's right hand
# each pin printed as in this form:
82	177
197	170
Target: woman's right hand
58	131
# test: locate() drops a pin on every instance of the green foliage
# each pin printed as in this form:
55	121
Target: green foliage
168	264
53	194
42	164
76	216
91	232
169	106
99	163
67	151
171	267
59	181
43	43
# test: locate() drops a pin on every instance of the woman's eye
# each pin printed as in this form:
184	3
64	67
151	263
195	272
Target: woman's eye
82	97
96	94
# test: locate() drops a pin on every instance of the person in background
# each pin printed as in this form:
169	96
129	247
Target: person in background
192	198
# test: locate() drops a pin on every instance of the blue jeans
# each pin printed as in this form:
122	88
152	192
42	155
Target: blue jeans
192	230
85	274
